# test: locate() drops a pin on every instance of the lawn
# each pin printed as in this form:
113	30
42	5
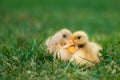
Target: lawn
26	24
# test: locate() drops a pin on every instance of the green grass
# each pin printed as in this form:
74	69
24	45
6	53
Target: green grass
26	24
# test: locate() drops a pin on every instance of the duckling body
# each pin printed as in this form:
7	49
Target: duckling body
80	58
85	55
55	44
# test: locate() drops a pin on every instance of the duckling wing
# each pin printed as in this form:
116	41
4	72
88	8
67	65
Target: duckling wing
95	48
51	44
63	54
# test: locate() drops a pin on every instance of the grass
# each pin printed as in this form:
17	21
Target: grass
26	24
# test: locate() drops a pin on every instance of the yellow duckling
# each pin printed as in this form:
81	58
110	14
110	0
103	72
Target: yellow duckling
86	52
55	44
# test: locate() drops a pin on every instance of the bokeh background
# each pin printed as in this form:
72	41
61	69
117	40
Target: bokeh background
26	24
41	17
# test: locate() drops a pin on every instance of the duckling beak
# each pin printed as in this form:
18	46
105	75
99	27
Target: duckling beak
69	44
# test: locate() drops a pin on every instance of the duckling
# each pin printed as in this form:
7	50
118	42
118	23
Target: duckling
86	52
55	44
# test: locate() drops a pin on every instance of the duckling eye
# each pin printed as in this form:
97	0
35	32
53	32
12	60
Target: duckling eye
64	36
78	37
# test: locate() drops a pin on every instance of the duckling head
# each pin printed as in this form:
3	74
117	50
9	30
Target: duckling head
80	38
64	36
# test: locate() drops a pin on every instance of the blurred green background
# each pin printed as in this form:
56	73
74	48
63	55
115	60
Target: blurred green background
101	16
26	24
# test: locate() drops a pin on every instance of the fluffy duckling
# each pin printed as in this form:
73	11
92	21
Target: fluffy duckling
55	44
86	52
